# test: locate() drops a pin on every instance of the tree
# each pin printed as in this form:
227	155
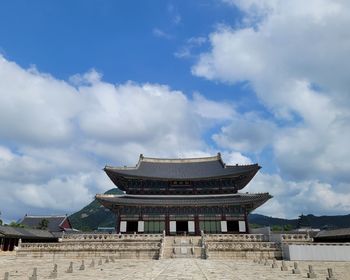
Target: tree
44	223
303	222
0	219
15	224
276	228
287	227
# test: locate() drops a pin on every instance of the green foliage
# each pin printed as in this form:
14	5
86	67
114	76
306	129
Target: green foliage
15	224
254	226
341	221
303	221
276	228
287	227
44	223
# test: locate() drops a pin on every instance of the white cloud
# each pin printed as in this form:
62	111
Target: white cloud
291	198
246	133
296	58
191	44
157	32
32	103
56	136
233	158
209	109
174	14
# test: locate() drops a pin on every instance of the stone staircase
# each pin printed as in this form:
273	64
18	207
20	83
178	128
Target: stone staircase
182	247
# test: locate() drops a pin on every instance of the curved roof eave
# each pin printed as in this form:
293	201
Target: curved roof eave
230	171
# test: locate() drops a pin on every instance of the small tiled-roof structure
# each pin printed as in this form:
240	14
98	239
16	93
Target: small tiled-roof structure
10	236
55	223
25	233
335	235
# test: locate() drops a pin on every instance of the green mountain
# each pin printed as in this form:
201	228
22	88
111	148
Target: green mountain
95	215
320	222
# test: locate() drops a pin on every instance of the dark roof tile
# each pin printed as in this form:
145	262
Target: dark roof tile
54	224
184	200
25	233
194	168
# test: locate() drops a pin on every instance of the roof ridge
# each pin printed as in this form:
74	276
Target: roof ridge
45	216
180	160
142	158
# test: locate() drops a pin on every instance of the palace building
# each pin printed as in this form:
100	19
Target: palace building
182	196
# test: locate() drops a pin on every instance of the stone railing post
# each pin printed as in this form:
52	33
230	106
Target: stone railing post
330	274
161	248
311	274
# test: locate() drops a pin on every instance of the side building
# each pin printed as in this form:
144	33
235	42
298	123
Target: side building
182	196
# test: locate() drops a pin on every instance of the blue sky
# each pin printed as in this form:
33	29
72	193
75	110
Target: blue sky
87	83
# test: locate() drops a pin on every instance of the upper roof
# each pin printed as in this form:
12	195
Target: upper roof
55	223
181	169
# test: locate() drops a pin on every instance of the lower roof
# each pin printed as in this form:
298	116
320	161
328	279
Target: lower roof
335	233
25	233
256	200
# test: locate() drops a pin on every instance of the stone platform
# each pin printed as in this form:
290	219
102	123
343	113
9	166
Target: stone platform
156	246
176	268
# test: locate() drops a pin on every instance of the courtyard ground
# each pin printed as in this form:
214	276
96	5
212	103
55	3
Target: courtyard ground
22	268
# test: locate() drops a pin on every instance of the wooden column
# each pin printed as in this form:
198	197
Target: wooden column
6	244
167	221
11	244
117	221
247	230
196	224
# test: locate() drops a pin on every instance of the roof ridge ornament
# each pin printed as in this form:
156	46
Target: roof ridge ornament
180	160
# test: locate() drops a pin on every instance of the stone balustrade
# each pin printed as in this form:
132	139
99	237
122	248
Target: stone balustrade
240	246
243	246
97	237
87	246
145	246
295	237
235	237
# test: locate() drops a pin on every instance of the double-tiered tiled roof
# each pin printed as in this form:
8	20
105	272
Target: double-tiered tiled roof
151	174
198	182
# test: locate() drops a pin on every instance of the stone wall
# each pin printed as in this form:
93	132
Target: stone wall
317	252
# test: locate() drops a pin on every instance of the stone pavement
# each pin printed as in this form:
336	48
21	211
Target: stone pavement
22	268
